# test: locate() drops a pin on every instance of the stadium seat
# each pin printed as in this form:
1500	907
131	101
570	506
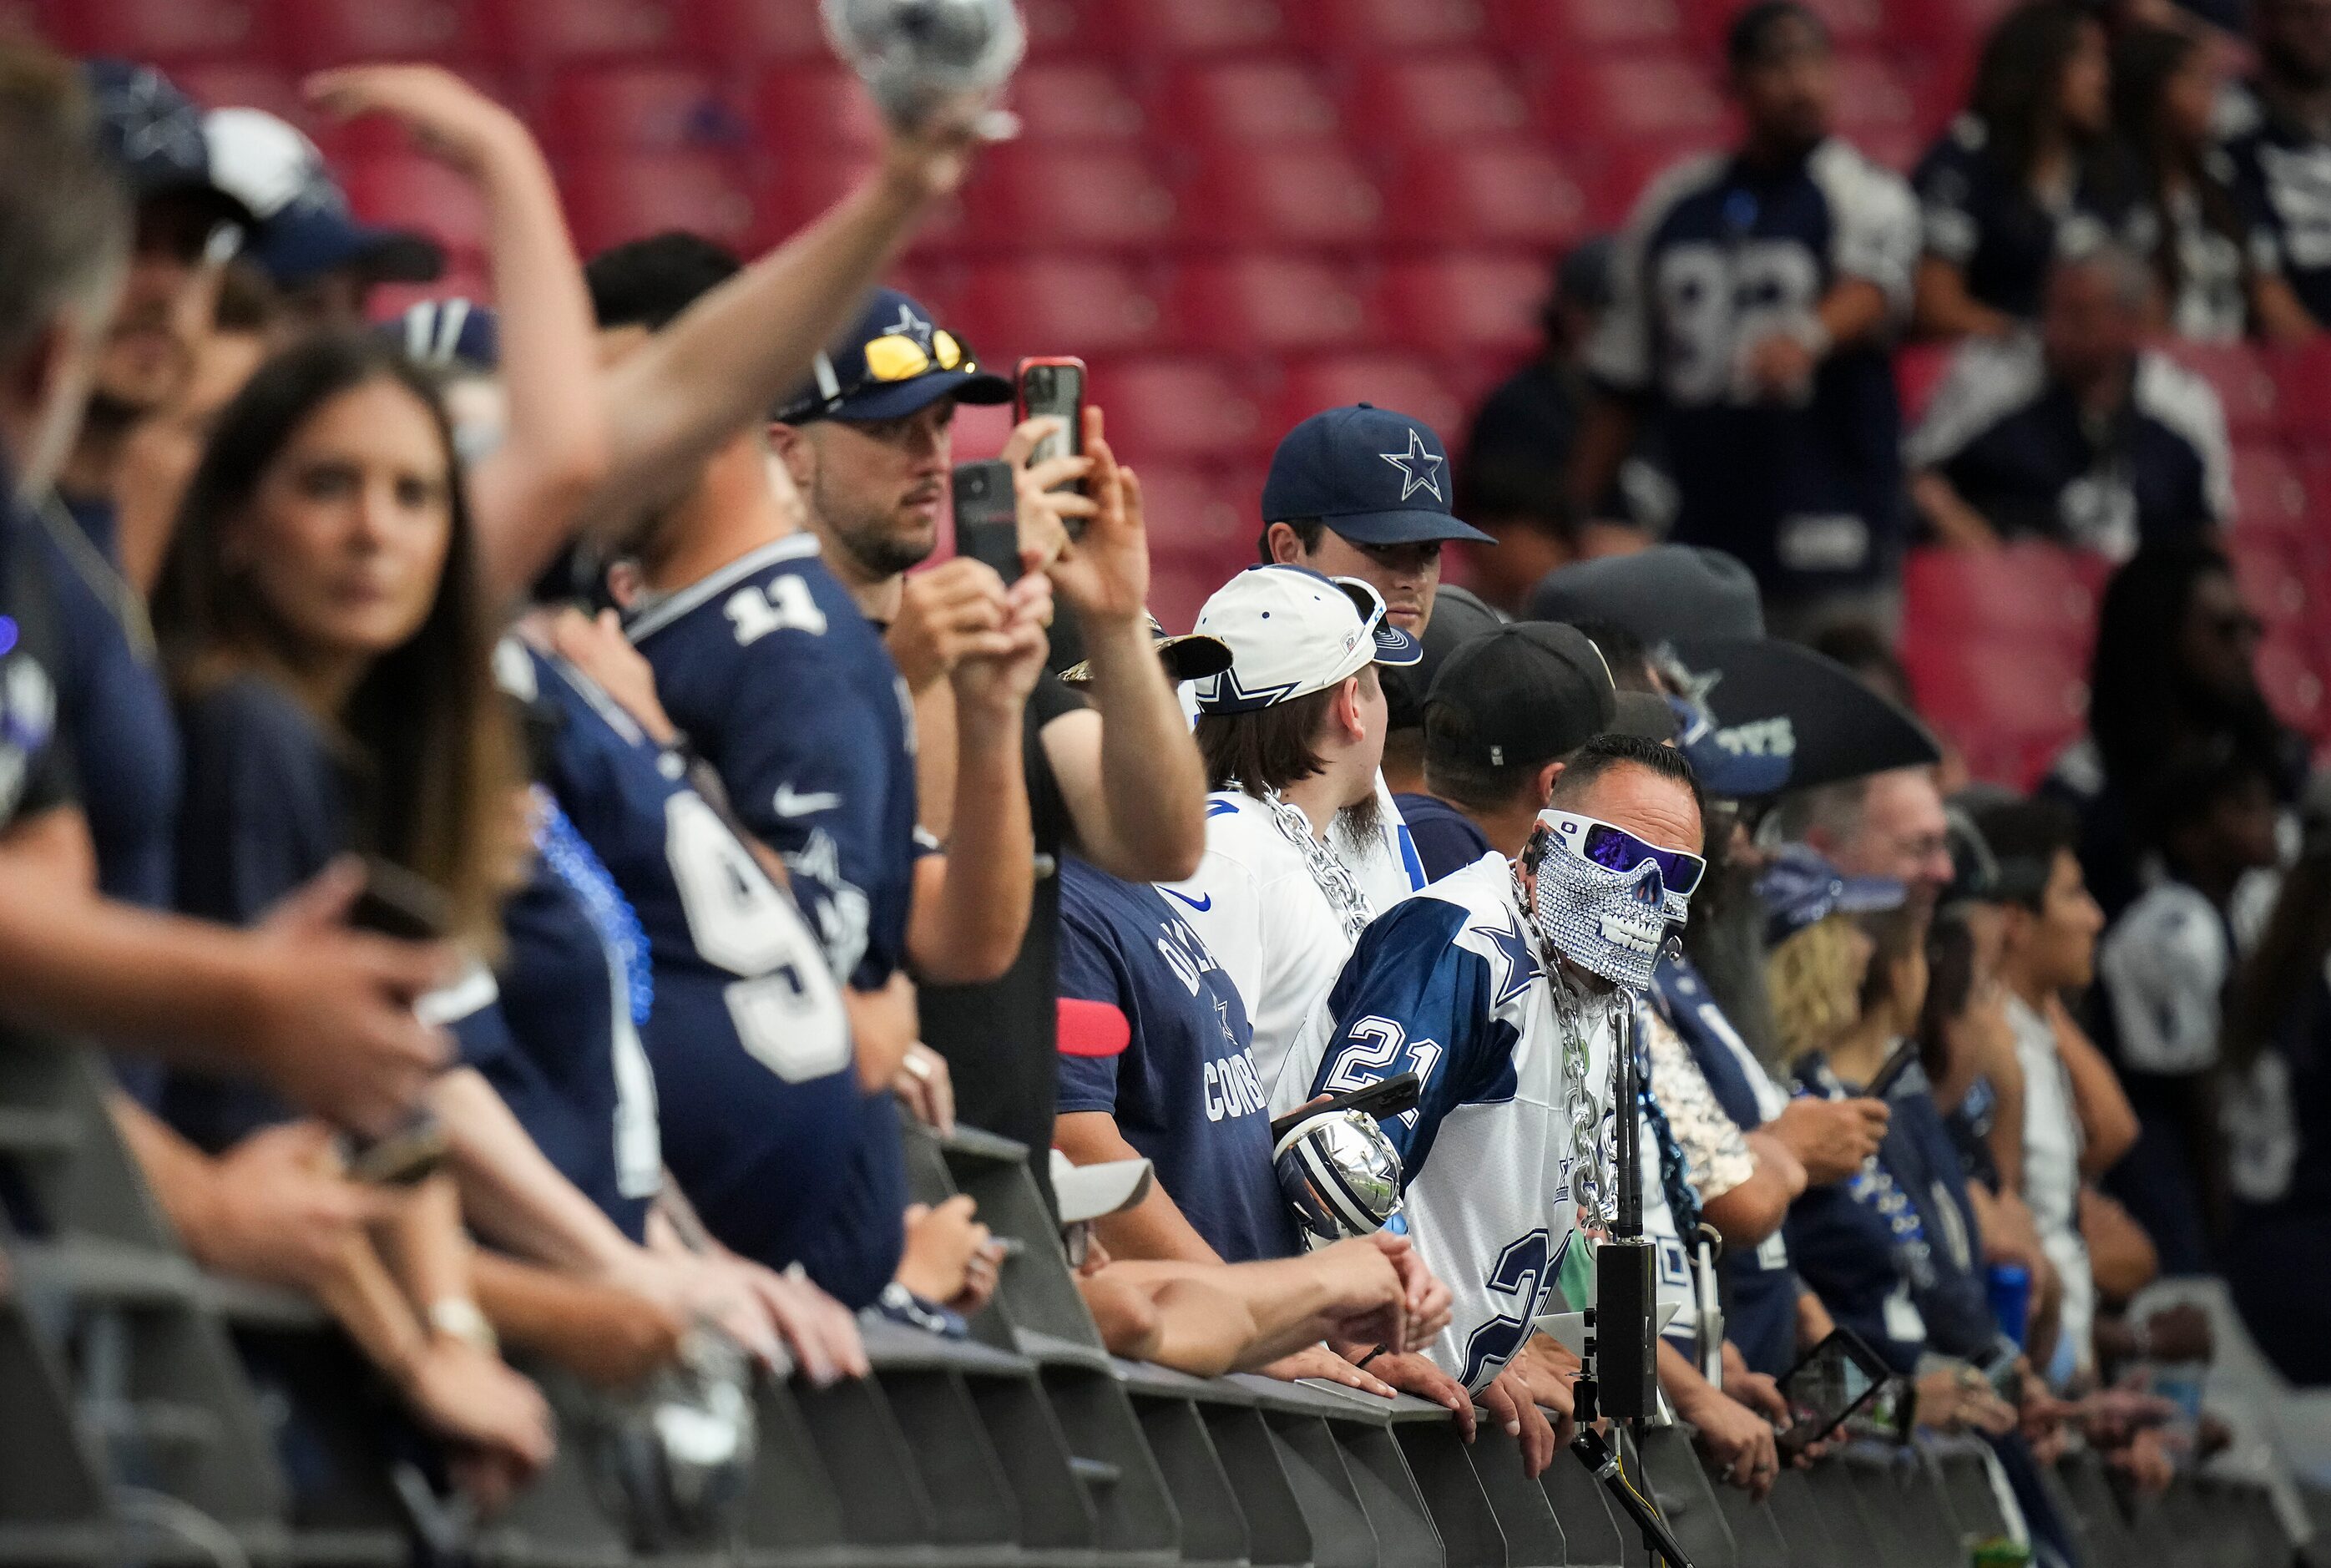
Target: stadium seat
541	34
1078	103
1266	305
1610	101
623	196
1474	305
1035	197
1265	195
1874	103
1179	408
407	188
1146	28
2293	686
640	108
2270	498
1356	27
1551	28
1508	194
2272	576
2303	382
1918	369
1179	589
1242	101
349	32
748	32
1395	381
1057	305
809	111
243	84
166	30
2244	384
1204	516
1622	174
1439	98
1960	23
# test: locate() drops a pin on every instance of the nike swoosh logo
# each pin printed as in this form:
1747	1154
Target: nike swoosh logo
791	805
1200	904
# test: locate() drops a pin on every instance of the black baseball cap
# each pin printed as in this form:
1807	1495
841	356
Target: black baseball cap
1373	476
1459	616
1532	691
894	361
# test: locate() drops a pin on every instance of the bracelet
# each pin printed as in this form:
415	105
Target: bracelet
1370	1355
459	1318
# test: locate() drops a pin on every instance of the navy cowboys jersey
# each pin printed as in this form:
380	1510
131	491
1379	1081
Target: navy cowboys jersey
1717	256
789	693
1447	985
755	1078
1982	219
35	769
2283	172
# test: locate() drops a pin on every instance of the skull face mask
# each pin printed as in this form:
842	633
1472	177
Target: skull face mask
1605	898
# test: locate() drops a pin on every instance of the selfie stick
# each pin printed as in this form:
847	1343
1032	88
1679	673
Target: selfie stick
1617	1373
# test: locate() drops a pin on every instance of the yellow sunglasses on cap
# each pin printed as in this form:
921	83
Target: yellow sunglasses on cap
901	356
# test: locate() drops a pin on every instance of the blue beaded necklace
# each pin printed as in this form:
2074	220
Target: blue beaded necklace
573	861
1873	1187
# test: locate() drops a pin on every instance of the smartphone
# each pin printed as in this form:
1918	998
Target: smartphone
1837	1378
1895	1067
408	1155
396	903
986	516
1392	1096
1054	387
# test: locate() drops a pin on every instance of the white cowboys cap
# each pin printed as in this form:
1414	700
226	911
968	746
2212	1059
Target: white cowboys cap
1292	632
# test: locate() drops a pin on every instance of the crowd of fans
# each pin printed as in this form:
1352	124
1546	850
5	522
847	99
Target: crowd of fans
527	821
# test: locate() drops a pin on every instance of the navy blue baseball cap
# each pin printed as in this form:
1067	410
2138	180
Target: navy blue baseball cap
453	334
1373	476
152	132
896	359
1800	888
304	227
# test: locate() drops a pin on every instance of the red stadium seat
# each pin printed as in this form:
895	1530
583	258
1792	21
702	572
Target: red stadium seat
2294	686
1364	27
1057	305
166	30
1551	28
2270	498
1078	103
238	84
1625	172
1961	23
620	197
1063	29
350	32
1874	102
1918	369
2244	384
1038	196
801	111
1299	195
1185	409
1266	305
1475	305
640	108
2303	379
1512	193
546	33
1244	100
1179	589
1205	517
1144	28
1604	101
2025	594
2271	574
417	192
1440	99
1394	381
1997	646
748	32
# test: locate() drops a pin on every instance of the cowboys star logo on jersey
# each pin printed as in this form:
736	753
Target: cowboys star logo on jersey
28	712
1419	468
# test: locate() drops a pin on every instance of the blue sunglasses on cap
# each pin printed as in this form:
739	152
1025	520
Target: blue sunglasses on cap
1617	850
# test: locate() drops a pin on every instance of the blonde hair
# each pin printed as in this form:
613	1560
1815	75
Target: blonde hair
1815	977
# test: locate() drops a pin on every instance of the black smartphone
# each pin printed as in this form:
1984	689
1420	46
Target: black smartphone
1389	1097
1055	386
396	903
986	516
1837	1377
1895	1067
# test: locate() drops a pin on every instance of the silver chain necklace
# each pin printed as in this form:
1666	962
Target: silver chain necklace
1593	1152
1334	879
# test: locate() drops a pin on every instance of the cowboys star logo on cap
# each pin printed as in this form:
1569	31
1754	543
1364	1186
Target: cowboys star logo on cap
1420	469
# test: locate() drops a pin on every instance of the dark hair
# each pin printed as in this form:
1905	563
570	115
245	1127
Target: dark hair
2019	74
1894	934
1605	752
2025	837
2191	780
425	723
1629	659
2144	59
1950	987
1308	532
1744	40
1267	748
247	300
64	214
647	282
2137	690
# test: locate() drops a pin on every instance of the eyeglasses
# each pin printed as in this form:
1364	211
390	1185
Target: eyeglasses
901	356
1617	850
